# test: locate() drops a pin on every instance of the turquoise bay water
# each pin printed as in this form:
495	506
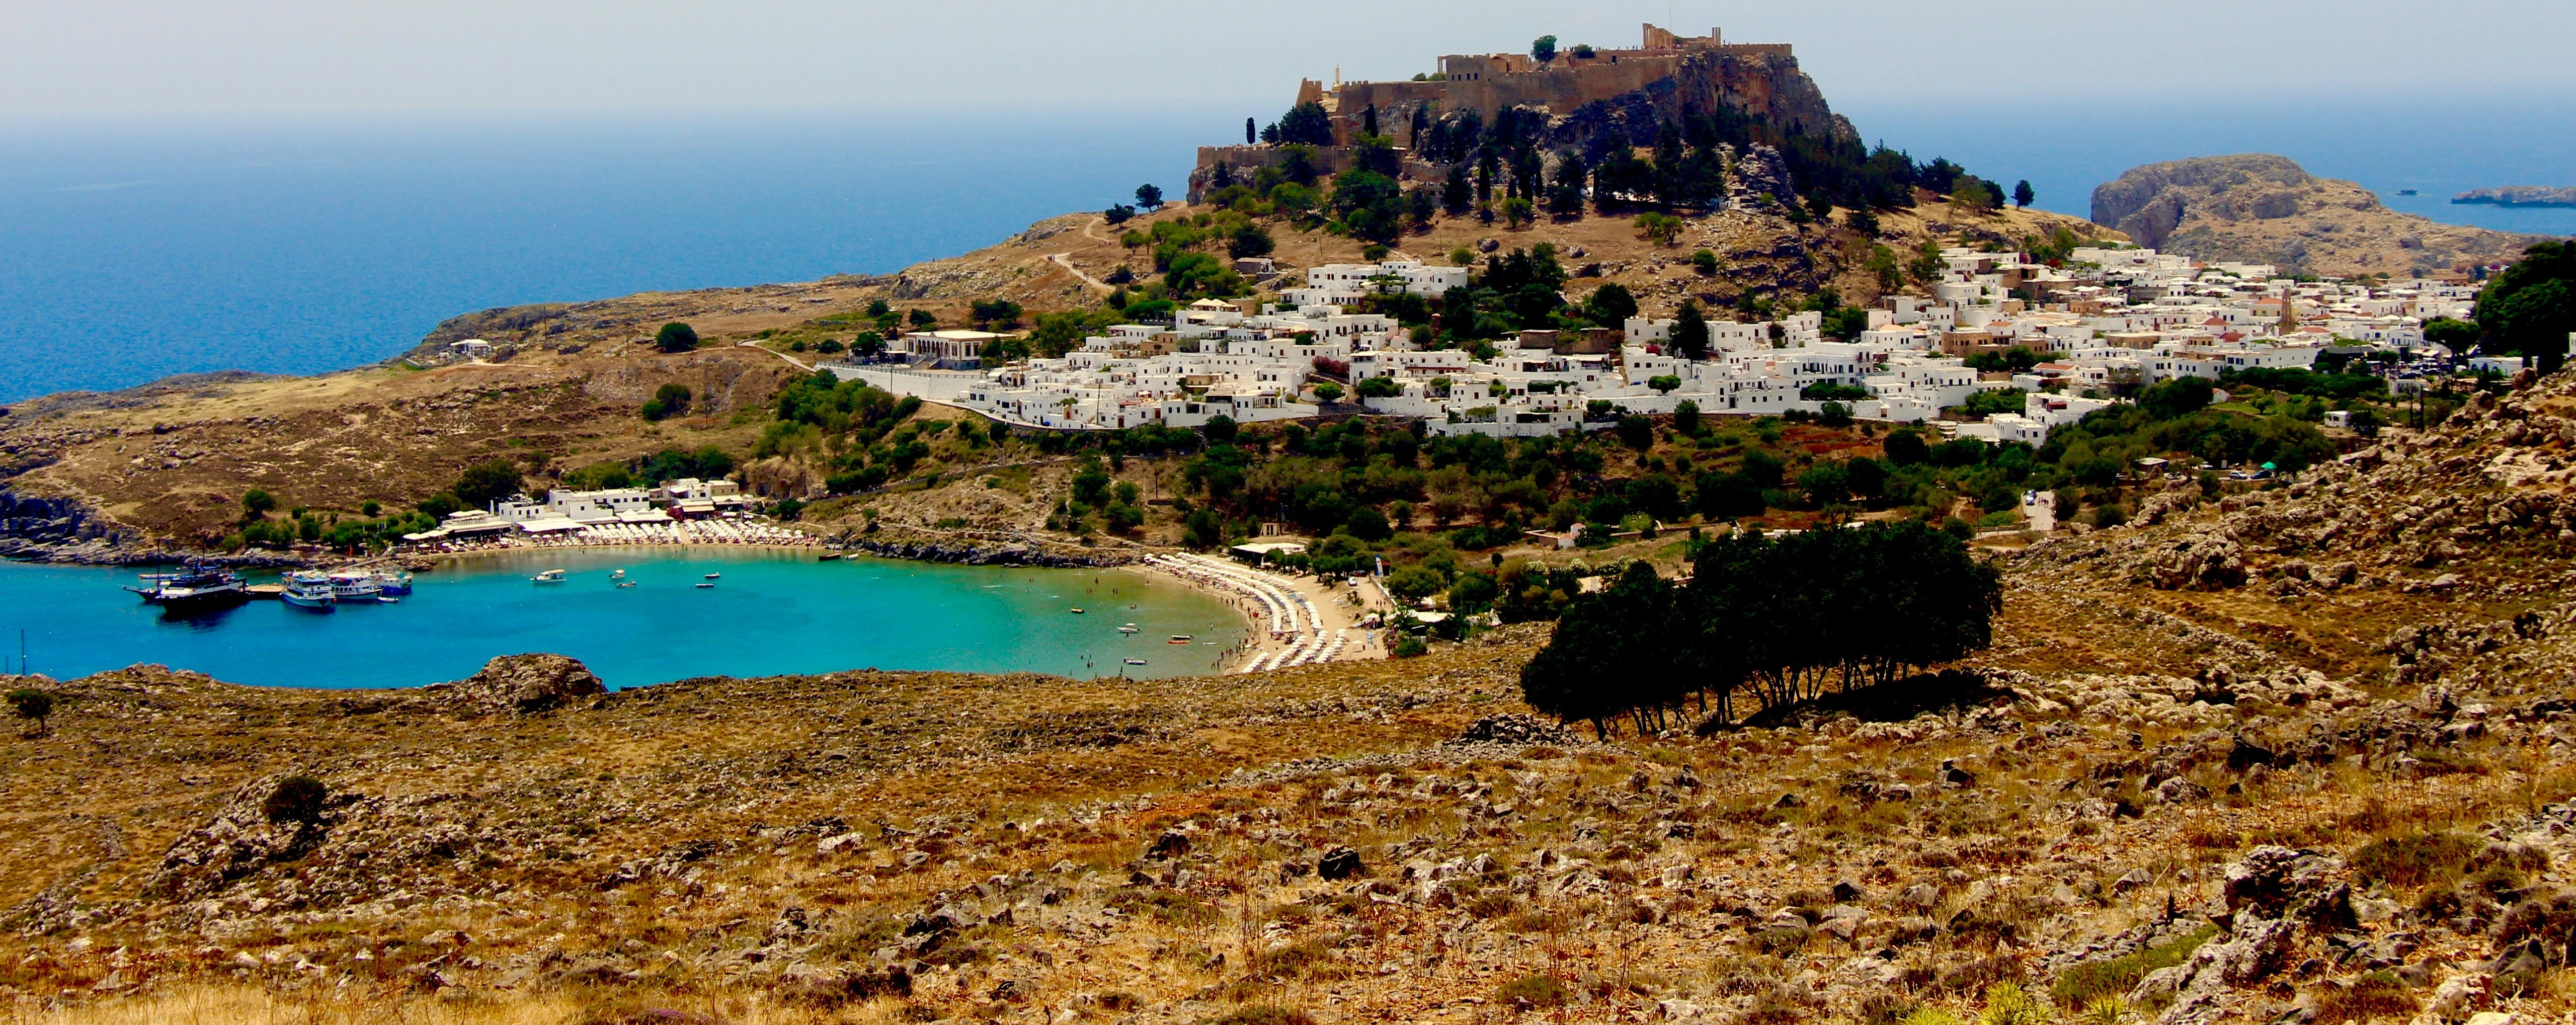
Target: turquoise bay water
772	612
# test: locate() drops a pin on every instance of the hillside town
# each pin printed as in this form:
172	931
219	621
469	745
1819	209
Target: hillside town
2104	324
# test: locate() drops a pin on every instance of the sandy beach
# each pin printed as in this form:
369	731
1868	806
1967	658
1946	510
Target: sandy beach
1294	620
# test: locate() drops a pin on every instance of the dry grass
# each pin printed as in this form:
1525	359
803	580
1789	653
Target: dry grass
216	1004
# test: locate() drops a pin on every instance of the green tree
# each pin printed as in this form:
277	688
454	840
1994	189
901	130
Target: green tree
1091	482
1328	391
1202	529
1690	331
1927	266
1565	191
1686	417
2530	308
1122	518
1516	212
1610	305
1971	195
1907	448
1370	525
1665	383
921	320
1149	196
257	503
1543	49
2455	335
1249	240
1705	262
1661	228
33	705
486	482
1637	432
2023	194
1884	266
1305	124
1220	430
676	337
668	400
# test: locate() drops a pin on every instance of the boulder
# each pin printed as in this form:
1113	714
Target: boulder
1340	863
2274	881
1515	728
524	684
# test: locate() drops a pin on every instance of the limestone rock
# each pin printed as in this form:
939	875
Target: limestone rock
524	684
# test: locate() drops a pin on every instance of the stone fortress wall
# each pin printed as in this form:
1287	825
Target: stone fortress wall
1657	81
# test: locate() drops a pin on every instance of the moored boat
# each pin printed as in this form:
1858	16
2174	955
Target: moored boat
194	584
1135	661
308	590
356	586
393	583
552	576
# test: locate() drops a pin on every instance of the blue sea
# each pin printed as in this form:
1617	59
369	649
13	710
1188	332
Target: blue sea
771	612
132	250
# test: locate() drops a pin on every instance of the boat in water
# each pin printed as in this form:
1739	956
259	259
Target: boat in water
1135	661
618	575
393	583
552	576
308	590
193	585
704	584
625	583
1129	629
712	576
356	586
1180	639
1077	612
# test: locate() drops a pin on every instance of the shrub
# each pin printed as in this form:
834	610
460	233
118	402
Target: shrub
2093	979
1534	992
1264	1015
2009	1004
2413	860
1170	907
33	705
2378	995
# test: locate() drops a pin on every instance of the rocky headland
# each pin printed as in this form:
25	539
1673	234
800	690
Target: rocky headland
2519	195
2259	208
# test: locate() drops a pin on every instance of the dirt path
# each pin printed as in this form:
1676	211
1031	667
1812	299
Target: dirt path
1065	259
793	361
1060	260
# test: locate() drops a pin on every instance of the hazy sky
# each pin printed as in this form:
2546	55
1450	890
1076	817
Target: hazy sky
184	57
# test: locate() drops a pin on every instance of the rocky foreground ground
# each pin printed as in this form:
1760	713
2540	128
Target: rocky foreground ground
2298	755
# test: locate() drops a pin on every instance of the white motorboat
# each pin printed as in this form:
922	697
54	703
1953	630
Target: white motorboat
552	576
308	590
356	586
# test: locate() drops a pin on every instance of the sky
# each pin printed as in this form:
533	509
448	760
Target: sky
199	58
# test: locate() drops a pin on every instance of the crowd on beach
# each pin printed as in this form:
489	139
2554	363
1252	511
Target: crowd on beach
685	532
1289	617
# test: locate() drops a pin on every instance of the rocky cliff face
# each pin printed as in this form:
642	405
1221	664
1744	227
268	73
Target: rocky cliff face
2259	208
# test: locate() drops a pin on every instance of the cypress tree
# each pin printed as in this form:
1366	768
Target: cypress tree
1690	331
